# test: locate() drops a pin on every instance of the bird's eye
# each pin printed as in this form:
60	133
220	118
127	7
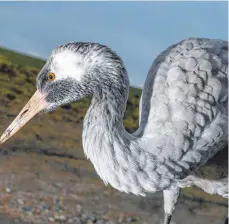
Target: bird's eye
51	76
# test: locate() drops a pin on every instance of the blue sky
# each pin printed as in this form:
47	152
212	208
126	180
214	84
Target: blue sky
137	31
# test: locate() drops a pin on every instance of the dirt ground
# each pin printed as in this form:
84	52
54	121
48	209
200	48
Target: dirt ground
37	188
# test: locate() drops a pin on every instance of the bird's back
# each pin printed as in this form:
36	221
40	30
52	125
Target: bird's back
184	102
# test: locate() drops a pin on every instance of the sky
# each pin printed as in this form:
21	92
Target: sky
136	31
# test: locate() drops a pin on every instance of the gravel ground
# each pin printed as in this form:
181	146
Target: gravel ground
45	189
4	219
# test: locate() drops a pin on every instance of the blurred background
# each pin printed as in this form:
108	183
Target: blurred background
44	175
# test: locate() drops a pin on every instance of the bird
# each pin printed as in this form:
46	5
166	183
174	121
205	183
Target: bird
183	114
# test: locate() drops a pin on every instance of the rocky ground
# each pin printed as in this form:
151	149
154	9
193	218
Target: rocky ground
36	188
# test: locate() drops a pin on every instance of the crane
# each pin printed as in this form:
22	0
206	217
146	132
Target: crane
183	118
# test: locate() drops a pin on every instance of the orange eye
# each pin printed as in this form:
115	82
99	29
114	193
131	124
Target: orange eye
51	76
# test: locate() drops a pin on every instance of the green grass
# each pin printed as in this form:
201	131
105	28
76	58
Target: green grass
21	59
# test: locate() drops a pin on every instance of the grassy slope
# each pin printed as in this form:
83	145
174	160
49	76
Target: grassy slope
21	59
54	131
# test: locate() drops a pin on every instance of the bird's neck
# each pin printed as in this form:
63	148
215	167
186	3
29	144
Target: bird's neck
103	123
105	115
105	141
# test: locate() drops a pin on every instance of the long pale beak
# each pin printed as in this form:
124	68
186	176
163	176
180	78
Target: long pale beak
33	107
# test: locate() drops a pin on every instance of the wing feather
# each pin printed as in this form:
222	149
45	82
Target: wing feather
184	103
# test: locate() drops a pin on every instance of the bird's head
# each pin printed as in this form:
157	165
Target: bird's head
72	72
66	77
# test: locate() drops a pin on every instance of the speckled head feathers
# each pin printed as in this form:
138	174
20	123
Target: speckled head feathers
79	68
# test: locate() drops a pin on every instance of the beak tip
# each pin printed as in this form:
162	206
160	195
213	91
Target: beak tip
36	104
3	139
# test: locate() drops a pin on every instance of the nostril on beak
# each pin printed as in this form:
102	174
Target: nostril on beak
24	112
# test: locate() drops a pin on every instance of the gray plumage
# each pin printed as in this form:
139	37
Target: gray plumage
183	114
